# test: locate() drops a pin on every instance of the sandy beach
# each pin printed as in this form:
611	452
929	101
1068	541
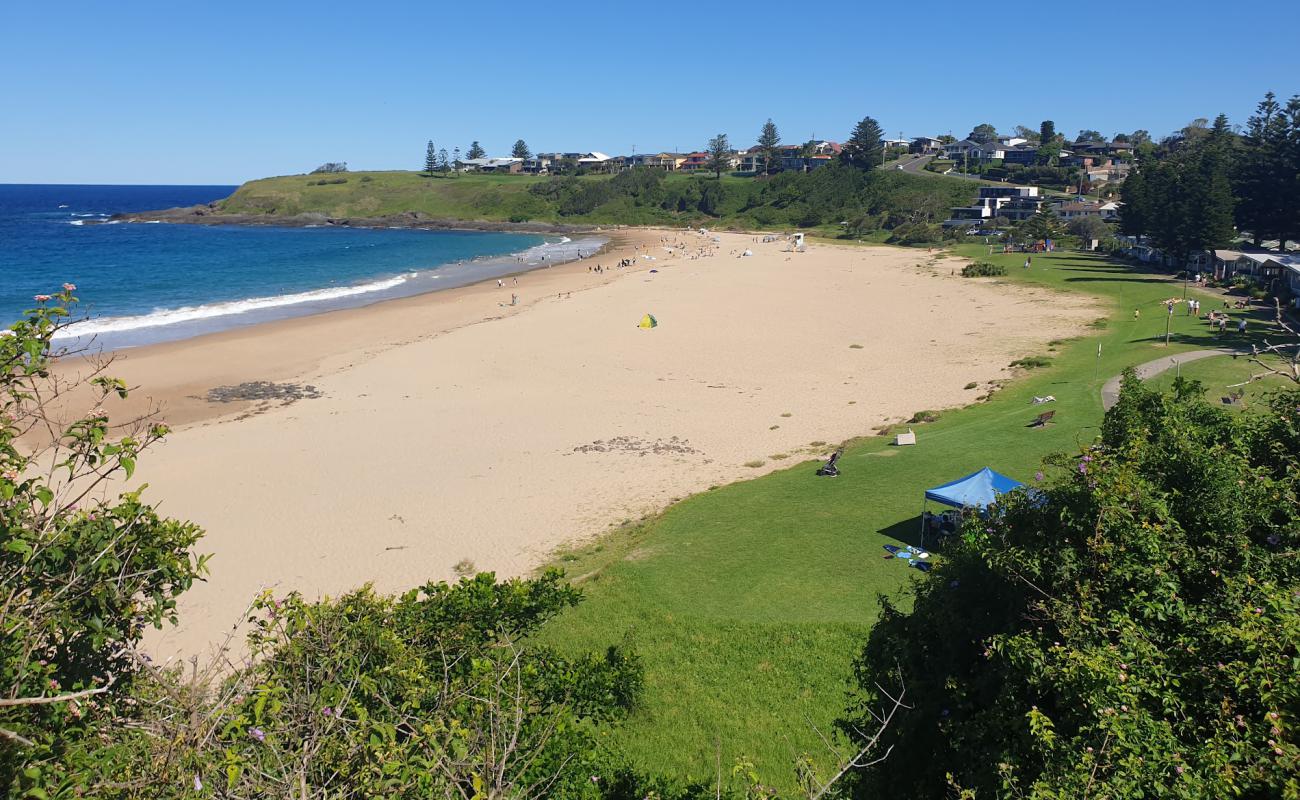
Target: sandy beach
453	428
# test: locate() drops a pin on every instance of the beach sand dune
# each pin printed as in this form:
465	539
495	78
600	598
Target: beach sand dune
494	443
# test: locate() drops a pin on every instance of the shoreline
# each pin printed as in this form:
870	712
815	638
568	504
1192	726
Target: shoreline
197	359
448	428
114	332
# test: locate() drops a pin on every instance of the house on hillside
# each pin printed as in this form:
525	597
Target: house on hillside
1012	141
509	165
925	145
959	150
1025	154
592	159
695	162
988	151
1077	209
1013	203
536	165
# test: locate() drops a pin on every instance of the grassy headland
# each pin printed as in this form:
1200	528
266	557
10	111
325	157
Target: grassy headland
818	200
748	602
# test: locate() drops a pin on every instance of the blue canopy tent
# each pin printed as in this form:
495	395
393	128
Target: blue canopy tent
976	490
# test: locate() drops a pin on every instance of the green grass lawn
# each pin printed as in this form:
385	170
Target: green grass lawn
748	602
1219	375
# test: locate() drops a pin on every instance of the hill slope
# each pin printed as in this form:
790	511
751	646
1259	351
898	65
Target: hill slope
823	198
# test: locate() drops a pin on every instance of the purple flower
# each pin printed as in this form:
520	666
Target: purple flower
1179	769
198	784
257	733
1083	468
1038	476
327	711
1273	538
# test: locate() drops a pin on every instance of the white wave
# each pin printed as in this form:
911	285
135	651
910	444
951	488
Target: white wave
64	205
564	240
75	214
153	222
173	316
76	222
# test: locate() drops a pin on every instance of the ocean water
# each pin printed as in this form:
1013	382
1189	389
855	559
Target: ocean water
141	282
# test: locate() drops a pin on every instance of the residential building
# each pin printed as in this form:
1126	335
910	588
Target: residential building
959	150
987	151
537	165
1024	154
695	162
1013	203
925	145
511	165
1012	141
665	161
1077	209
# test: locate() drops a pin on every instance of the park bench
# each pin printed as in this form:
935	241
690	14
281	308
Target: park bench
1042	419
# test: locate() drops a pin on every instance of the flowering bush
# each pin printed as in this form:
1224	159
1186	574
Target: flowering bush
1131	631
82	571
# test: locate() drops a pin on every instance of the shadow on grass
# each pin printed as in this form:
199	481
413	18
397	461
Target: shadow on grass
906	531
1128	279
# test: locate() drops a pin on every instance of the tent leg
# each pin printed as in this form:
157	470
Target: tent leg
923	506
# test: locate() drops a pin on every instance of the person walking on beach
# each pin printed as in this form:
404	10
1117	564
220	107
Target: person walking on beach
501	284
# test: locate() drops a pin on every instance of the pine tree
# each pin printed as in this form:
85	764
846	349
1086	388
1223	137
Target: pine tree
430	159
455	159
444	164
864	148
768	141
1044	224
1261	178
520	150
475	150
719	154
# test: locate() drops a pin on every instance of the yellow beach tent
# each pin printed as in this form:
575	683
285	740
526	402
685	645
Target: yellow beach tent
648	321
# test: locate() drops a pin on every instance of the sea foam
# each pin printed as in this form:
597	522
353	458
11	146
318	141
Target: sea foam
92	327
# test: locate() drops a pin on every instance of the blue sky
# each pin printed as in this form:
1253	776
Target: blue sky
147	92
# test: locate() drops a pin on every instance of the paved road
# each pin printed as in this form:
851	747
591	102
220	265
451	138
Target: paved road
1110	392
912	164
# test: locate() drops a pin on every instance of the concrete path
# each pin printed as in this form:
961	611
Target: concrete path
1110	391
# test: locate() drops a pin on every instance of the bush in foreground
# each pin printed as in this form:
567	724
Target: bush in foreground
1132	630
983	269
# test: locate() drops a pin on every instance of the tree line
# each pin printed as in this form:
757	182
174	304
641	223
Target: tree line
1202	187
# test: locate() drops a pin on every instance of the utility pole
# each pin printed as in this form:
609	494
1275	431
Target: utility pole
1169	305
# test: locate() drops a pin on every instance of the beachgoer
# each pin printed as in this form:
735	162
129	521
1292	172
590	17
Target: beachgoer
501	284
1241	327
1223	324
